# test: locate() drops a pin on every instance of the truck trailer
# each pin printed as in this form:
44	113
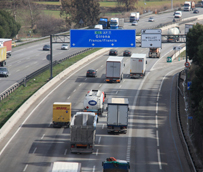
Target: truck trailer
63	166
173	34
114	69
117	115
8	44
61	114
2	56
83	132
115	165
94	101
137	65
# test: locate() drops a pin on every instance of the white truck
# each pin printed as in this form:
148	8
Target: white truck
173	34
114	69
117	115
83	132
114	23
189	5
94	101
154	52
64	166
134	17
137	65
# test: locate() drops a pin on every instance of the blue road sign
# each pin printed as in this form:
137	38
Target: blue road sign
105	38
189	84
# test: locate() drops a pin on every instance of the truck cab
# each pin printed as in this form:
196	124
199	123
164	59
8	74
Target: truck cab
114	23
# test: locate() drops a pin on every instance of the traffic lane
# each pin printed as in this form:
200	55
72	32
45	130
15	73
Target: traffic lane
144	160
167	114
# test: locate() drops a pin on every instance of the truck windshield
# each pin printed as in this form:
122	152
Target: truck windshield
113	23
186	5
102	22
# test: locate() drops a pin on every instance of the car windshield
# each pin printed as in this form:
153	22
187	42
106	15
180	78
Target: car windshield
46	46
65	45
3	69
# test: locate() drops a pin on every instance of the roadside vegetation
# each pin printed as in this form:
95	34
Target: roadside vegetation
9	105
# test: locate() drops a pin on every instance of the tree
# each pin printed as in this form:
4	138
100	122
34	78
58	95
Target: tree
129	4
9	28
194	38
76	10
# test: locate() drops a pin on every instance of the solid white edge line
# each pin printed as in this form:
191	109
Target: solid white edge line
5	146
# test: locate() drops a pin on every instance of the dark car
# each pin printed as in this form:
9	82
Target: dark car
127	53
46	47
91	73
4	71
113	52
196	11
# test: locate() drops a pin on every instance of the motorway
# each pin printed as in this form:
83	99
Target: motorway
152	142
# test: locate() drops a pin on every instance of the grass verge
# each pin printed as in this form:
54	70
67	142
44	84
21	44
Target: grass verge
9	105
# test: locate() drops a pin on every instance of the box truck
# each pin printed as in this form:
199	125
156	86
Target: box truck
61	114
137	65
114	23
8	44
134	16
94	101
63	166
114	69
83	132
117	115
2	56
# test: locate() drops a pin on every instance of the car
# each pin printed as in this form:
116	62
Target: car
127	53
134	23
91	73
46	47
13	44
4	71
64	47
196	11
113	52
178	14
151	19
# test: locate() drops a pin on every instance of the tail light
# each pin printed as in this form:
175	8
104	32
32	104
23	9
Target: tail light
93	72
72	146
90	146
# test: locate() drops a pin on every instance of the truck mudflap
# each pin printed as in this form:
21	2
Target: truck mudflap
61	124
113	128
82	148
113	80
137	75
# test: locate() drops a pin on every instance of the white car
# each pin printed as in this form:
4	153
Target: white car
178	14
64	46
134	23
151	19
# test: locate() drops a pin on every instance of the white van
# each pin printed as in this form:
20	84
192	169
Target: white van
98	26
178	14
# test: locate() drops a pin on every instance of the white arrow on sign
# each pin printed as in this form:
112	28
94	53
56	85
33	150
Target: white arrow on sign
93	44
112	44
73	44
131	44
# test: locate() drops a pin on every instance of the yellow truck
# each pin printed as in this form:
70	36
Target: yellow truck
61	114
3	51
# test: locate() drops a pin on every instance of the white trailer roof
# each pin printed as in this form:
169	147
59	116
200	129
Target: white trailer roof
66	167
114	59
136	55
118	101
4	39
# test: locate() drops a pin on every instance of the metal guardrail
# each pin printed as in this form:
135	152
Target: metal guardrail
23	81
